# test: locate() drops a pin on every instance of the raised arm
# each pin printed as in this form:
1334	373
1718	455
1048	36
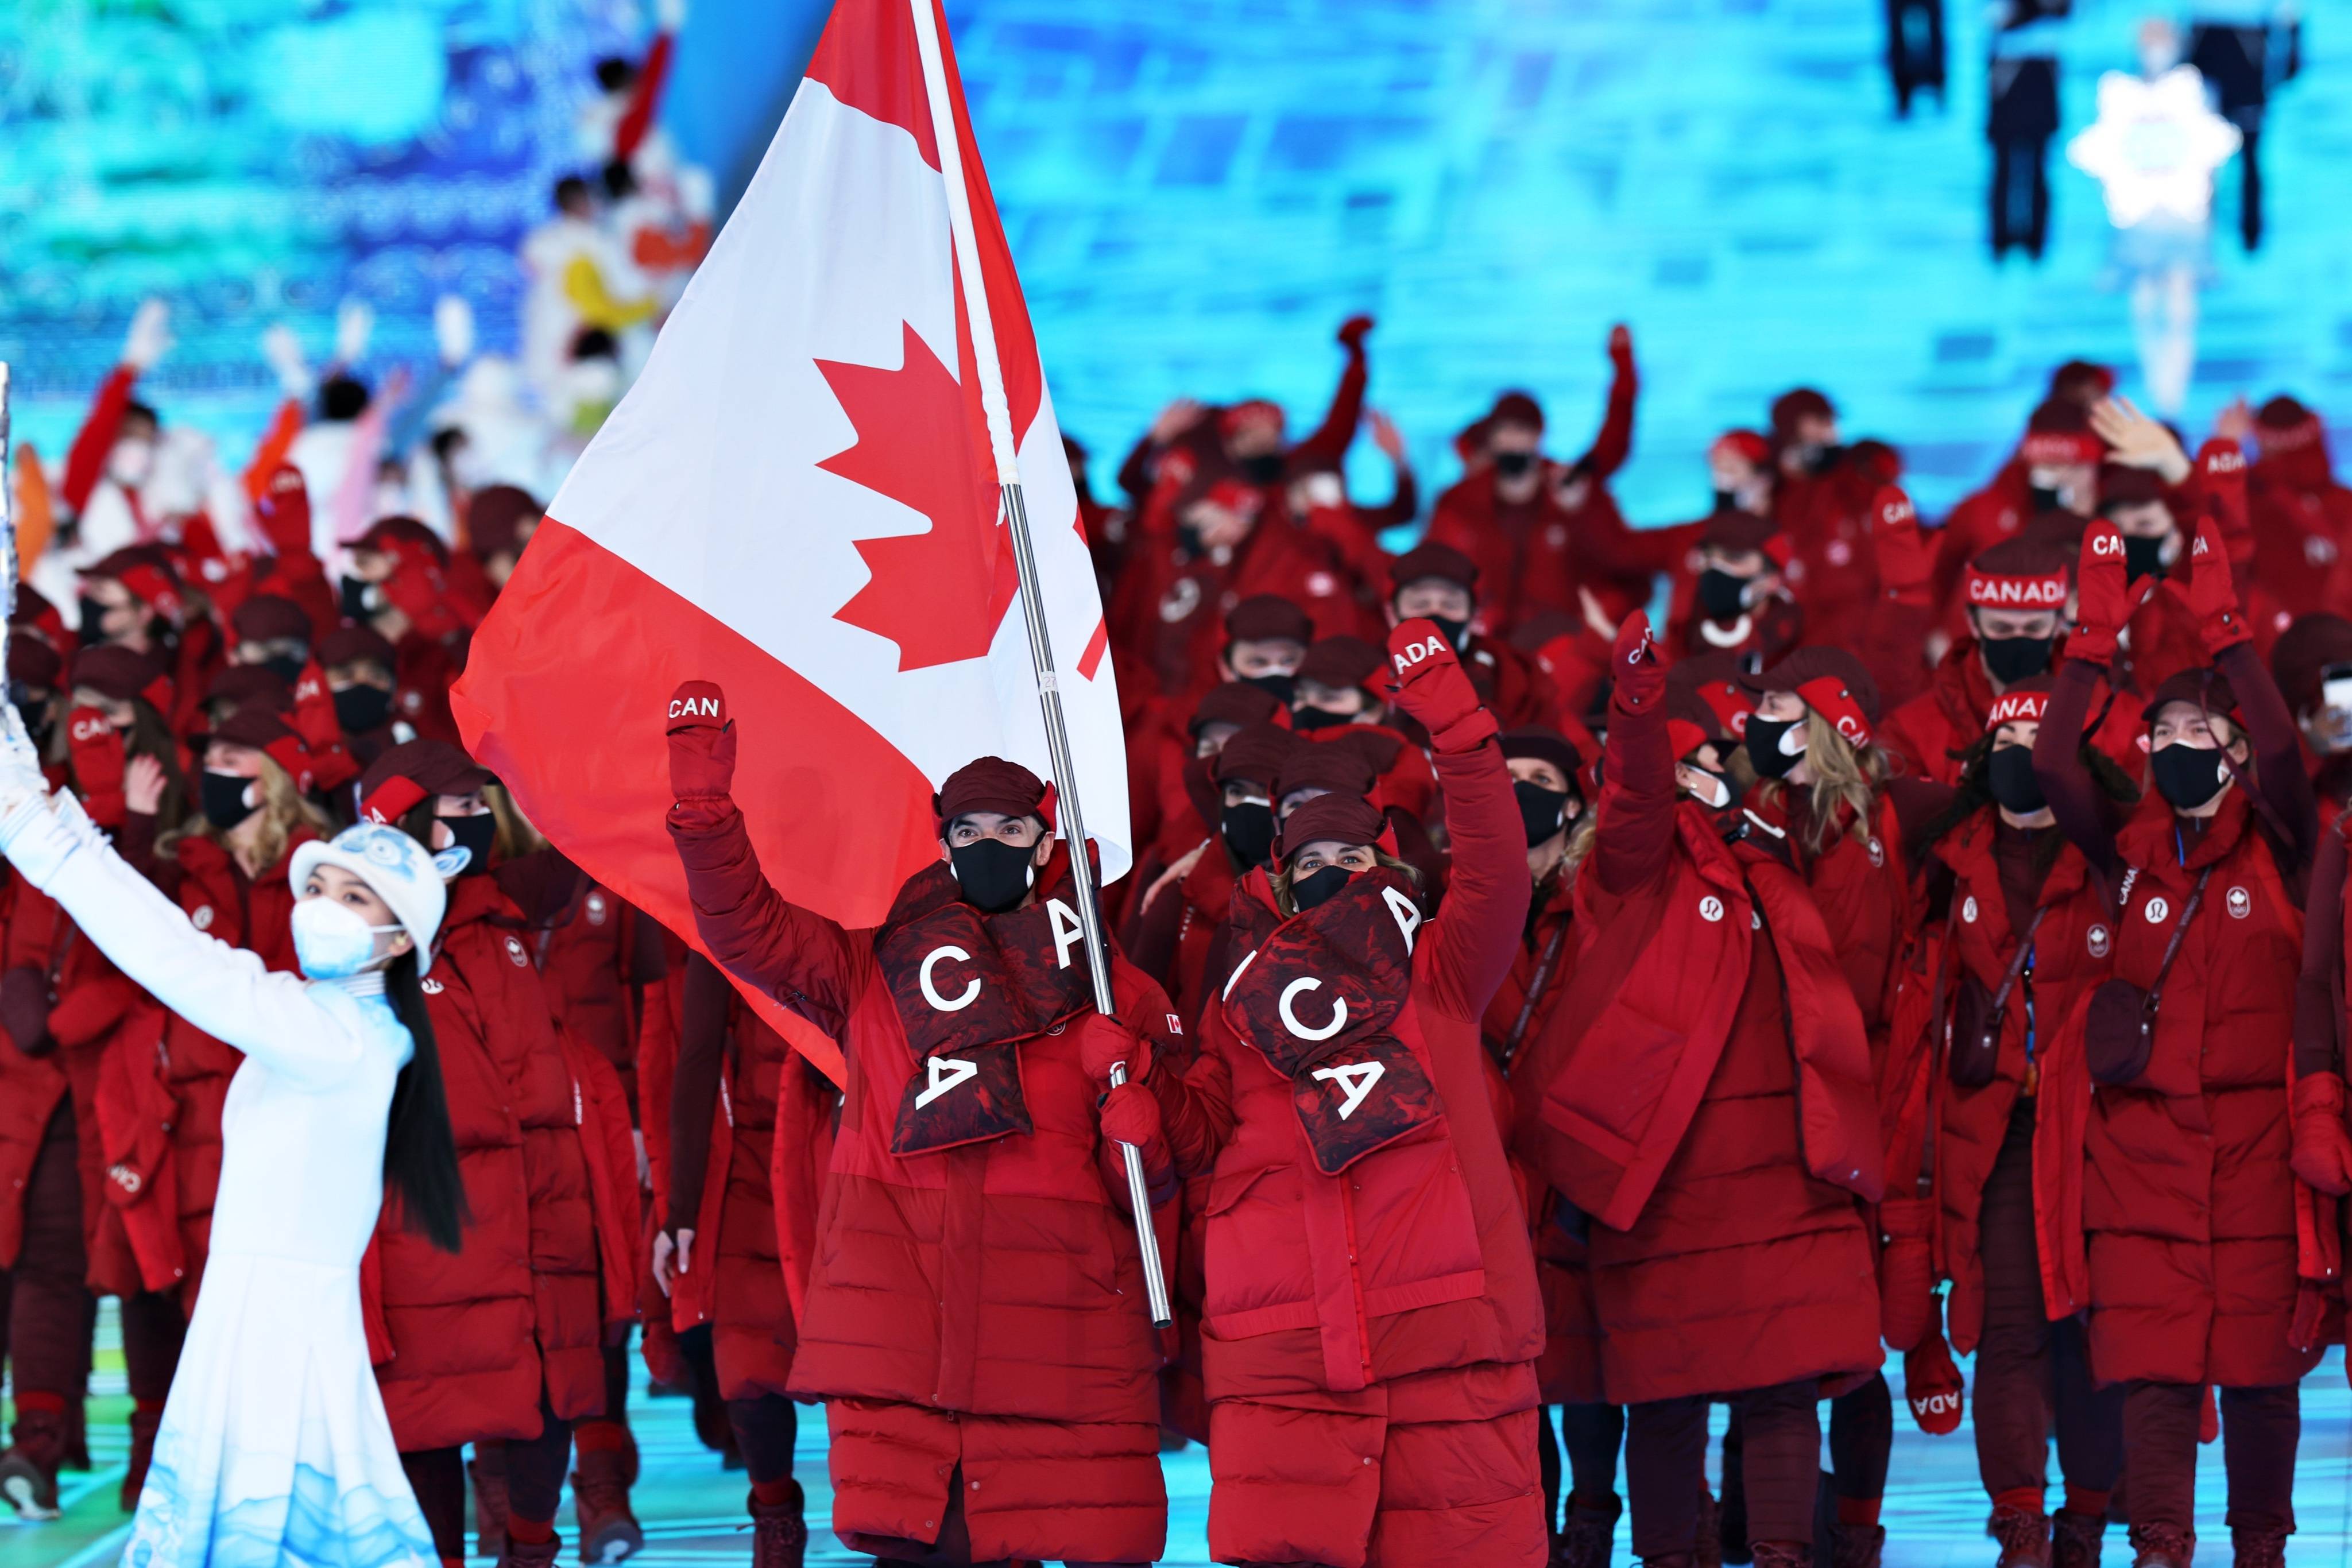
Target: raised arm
801	959
1892	637
2106	603
226	991
1488	891
2279	772
1610	447
1332	437
1636	833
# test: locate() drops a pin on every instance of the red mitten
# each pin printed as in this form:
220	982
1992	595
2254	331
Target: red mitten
1906	1272
2222	477
1103	1043
2102	594
1931	1381
96	748
1353	332
1639	674
1432	687
283	511
1620	346
701	742
1905	565
2322	1148
2213	596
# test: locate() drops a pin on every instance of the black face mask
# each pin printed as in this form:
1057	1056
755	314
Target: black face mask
34	713
360	709
93	619
995	876
2143	557
1456	632
1320	887
2010	660
2009	774
286	667
356	599
1722	595
1308	719
472	835
1763	740
1542	812
224	800
1728	812
2187	776
1282	687
2044	499
1248	827
1820	459
1514	464
1726	501
1266	468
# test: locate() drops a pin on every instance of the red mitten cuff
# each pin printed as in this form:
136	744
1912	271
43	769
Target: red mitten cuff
1105	1042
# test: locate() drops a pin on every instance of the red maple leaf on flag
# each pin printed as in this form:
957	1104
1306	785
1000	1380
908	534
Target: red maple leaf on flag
939	595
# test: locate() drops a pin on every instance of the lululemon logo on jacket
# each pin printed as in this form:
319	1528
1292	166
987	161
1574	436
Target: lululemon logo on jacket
2240	904
1969	909
596	907
430	987
203	918
1710	908
2157	910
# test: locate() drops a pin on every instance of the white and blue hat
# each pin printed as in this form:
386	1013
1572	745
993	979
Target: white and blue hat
403	872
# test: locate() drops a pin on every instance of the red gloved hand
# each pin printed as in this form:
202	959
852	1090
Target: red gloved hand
1620	344
1932	1382
95	747
1639	674
1353	332
1105	1042
701	742
1131	1115
2102	594
2322	1148
2222	475
1432	687
1905	565
2211	594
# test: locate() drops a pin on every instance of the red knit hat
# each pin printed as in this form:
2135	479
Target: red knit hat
2019	574
147	572
356	644
2283	425
1342	662
411	771
992	784
2299	659
1744	443
1733	530
2059	435
1427	560
495	519
1543	746
38	614
33	662
1233	702
1256	755
263	730
238	685
1333	769
1250	411
2080	381
403	539
267	617
1704	694
1268	618
1832	683
1330	819
2199	686
1798	402
1515	408
118	673
2026	701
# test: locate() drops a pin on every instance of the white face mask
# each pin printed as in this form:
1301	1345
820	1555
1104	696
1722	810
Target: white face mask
333	941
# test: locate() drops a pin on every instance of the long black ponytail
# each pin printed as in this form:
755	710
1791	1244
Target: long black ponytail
420	1152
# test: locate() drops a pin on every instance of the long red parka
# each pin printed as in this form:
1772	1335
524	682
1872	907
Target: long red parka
91	999
1716	1114
464	1343
2072	953
1416	1258
2195	1226
996	1279
165	1081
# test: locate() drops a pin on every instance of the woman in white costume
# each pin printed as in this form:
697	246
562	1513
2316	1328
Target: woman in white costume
274	1447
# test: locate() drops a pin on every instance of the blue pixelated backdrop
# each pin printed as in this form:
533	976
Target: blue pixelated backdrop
1195	194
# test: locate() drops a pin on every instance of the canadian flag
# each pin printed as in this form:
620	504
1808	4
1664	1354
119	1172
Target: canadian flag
800	499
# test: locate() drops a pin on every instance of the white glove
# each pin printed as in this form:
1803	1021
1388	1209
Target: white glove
150	336
21	779
696	195
353	322
669	15
284	352
453	329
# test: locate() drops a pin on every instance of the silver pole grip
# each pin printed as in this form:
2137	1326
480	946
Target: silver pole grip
1072	828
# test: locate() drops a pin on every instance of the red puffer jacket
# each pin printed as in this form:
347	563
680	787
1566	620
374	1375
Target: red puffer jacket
160	1098
1949	717
1414	1258
2188	1203
1716	1115
999	1277
1524	1039
464	1342
2071	954
89	1002
1862	889
596	955
753	1163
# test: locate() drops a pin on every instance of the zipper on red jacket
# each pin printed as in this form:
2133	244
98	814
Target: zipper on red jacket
1356	1281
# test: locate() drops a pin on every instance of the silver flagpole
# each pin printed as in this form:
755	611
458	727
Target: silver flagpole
991	376
7	525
